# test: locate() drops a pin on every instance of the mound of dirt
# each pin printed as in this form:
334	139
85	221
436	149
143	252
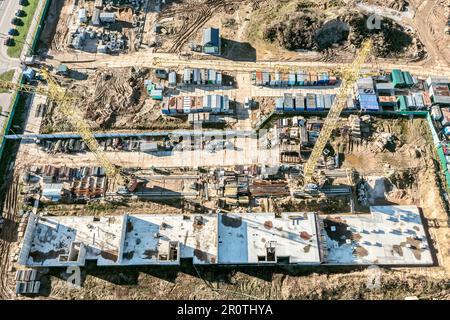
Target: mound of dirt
332	32
391	40
296	31
309	30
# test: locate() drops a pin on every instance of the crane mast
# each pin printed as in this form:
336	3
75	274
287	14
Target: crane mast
349	77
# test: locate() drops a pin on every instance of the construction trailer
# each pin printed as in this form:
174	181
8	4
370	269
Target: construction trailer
211	41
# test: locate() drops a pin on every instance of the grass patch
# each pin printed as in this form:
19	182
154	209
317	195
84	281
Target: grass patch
6	76
11	146
19	40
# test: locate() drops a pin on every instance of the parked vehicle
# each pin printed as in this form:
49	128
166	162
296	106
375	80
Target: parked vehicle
19	13
13	32
8	41
16	21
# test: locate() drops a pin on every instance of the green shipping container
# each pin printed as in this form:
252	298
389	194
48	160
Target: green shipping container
408	79
402	104
397	78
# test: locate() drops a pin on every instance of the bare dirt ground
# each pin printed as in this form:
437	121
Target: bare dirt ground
430	20
117	208
114	98
243	23
251	283
8	238
239	20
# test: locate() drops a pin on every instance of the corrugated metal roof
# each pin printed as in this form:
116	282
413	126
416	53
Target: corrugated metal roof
397	77
211	37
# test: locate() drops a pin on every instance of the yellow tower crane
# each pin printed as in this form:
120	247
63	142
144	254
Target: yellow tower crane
349	77
67	105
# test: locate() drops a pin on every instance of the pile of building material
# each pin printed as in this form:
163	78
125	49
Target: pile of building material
76	145
111	42
382	141
26	281
231	184
66	183
97	28
263	188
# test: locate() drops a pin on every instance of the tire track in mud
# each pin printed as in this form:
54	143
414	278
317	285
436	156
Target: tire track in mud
8	236
199	13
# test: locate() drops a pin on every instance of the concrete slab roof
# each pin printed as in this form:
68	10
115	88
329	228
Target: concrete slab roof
148	239
248	238
52	239
390	235
125	240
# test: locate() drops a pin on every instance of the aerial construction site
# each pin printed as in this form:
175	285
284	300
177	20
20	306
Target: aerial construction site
229	149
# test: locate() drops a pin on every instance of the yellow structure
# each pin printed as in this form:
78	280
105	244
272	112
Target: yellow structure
67	106
349	77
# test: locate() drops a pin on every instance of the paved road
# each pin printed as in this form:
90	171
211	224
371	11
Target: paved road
7	10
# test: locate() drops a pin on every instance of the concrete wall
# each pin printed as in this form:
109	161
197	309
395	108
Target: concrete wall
28	238
122	238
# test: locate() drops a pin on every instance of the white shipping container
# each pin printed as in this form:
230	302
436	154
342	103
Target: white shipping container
320	101
218	102
197	76
212	76
365	83
445	116
214	104
436	113
328	102
187	76
292	78
279	103
418	98
410	101
219	78
108	17
226	103
437	80
172	78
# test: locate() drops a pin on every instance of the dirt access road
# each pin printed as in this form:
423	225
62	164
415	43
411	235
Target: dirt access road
426	23
166	60
426	20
